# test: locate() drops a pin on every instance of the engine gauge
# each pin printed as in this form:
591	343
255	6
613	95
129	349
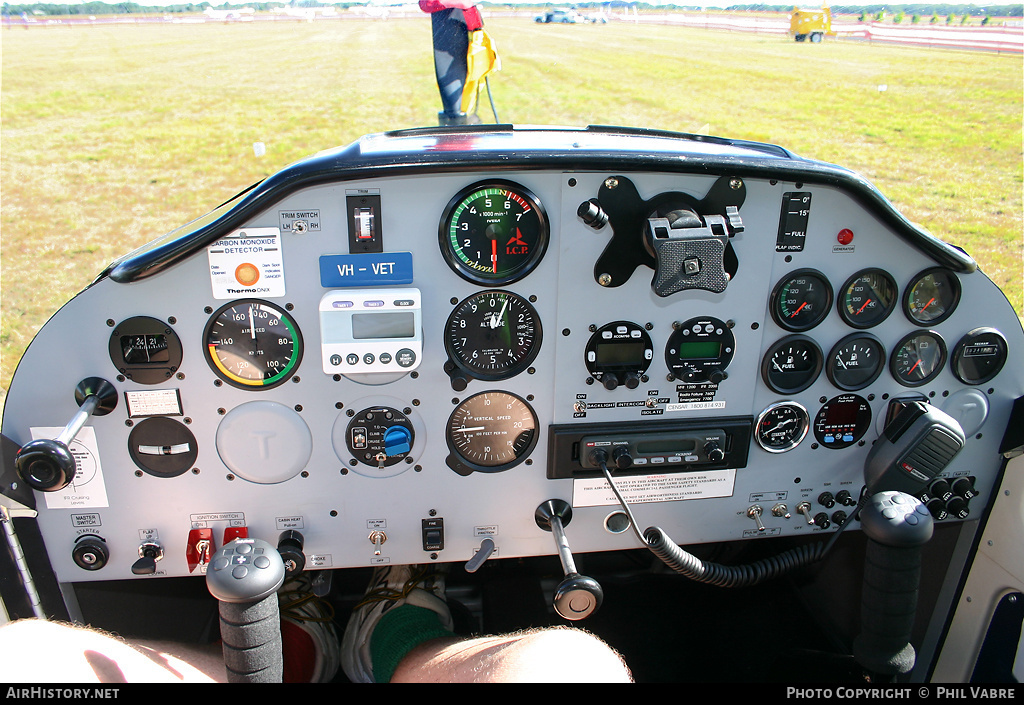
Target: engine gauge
792	364
842	421
493	233
932	296
801	300
493	335
867	298
781	427
252	344
855	361
918	358
490	432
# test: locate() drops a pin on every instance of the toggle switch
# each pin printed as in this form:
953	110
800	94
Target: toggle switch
199	548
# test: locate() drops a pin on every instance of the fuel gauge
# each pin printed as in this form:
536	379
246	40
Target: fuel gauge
855	361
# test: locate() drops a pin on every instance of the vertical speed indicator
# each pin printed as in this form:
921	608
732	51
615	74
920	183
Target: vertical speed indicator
493	233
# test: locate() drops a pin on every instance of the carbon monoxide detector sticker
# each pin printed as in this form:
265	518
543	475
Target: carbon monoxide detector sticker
248	262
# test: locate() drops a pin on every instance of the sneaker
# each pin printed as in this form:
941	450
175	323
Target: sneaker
390	586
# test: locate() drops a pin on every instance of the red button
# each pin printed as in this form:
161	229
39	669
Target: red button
845	236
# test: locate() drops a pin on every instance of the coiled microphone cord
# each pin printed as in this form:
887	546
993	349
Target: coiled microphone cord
685	563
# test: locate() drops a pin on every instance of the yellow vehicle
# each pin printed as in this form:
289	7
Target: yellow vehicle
810	23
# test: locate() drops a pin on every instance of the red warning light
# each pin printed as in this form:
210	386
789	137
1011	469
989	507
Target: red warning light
845	236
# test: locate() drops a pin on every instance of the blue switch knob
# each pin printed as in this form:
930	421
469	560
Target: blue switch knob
397	440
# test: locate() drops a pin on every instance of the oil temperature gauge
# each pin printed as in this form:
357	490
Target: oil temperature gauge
781	427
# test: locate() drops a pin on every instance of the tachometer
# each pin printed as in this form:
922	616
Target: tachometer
493	233
252	344
490	432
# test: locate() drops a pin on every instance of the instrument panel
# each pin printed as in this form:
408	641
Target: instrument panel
400	357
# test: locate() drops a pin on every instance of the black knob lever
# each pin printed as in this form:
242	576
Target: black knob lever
897	526
245	576
577	596
46	464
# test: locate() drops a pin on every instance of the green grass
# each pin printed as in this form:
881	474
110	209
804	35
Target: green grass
111	136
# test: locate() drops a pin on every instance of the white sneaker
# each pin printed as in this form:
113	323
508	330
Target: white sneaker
390	586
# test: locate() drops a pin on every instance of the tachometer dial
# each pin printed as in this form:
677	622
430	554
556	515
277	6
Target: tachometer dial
252	344
932	296
792	364
781	427
490	432
493	233
855	361
801	300
867	298
918	358
493	335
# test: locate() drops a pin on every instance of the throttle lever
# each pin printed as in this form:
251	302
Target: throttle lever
46	464
577	596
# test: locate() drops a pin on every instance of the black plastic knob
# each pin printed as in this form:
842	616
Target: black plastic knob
826	500
591	213
940	489
631	380
964	487
90	552
289	545
714	452
610	380
622	458
957	506
46	465
937	508
577	597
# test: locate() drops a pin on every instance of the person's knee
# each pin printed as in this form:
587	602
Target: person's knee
566	654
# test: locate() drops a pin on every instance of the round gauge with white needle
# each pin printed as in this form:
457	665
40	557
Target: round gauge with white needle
493	335
781	426
792	364
490	432
252	344
855	361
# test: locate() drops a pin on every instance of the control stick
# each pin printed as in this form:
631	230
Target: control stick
245	576
577	596
897	526
46	464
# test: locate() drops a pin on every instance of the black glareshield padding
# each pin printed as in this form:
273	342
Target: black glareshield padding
916	445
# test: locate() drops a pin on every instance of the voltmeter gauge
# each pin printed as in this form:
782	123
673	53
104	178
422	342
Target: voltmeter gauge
781	427
493	233
493	335
490	432
867	298
252	344
801	300
792	364
918	358
932	296
855	361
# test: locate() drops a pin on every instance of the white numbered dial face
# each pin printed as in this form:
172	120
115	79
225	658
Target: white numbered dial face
493	335
492	431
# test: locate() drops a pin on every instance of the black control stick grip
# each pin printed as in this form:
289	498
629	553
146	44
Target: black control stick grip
897	526
245	576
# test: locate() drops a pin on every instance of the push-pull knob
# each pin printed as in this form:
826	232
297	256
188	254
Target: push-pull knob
46	464
577	596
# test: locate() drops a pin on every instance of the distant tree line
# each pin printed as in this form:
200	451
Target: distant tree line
865	11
